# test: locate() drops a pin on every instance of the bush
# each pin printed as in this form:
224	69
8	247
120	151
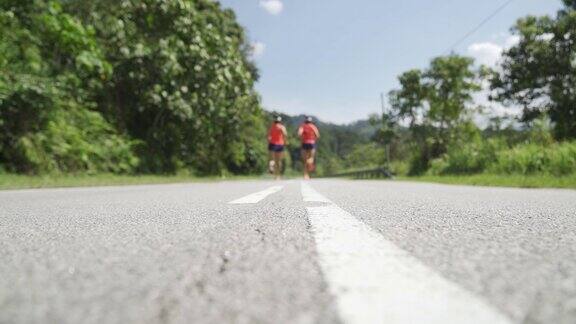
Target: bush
328	166
365	155
468	158
418	164
563	159
400	168
556	159
540	156
76	140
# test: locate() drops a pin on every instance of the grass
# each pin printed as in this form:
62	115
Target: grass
12	181
531	181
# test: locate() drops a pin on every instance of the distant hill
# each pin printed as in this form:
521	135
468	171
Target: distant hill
363	128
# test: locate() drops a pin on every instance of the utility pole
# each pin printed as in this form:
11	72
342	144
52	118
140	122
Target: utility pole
382	104
384	126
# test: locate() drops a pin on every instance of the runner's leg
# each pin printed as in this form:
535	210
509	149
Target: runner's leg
277	164
271	161
305	161
312	158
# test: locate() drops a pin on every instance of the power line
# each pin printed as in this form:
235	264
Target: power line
475	29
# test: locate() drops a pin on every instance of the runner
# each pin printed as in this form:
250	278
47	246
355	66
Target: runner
277	139
309	134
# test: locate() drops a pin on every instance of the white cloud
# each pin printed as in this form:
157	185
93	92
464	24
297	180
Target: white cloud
258	49
511	41
492	109
490	53
274	7
545	37
486	53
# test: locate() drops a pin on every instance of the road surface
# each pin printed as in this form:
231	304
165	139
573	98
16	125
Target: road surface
324	251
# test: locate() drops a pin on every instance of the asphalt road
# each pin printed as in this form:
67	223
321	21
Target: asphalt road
276	252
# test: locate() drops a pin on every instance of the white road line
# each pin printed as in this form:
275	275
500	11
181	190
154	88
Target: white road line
374	281
311	195
257	197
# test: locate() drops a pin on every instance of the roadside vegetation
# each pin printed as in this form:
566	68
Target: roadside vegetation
498	180
431	129
109	91
127	87
19	181
164	91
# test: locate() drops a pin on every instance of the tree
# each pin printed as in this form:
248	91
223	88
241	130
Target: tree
170	82
435	102
182	82
539	73
408	101
50	63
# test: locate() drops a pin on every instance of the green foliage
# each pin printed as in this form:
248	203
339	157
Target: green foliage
450	85
67	145
570	4
468	158
538	154
19	181
46	125
539	73
540	132
399	167
408	101
182	83
329	166
419	163
500	180
430	130
496	157
82	82
249	150
557	160
365	155
436	104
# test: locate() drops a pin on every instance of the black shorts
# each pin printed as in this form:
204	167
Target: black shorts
275	148
308	146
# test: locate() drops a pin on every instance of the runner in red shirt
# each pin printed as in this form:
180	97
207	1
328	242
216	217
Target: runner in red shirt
309	134
277	139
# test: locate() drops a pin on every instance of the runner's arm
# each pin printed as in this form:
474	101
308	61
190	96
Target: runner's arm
285	135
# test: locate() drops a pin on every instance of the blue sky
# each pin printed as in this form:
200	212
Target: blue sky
333	58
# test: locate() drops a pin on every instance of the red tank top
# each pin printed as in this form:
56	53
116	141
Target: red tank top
276	134
308	133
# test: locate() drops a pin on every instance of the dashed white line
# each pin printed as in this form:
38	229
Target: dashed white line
311	195
257	197
374	281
